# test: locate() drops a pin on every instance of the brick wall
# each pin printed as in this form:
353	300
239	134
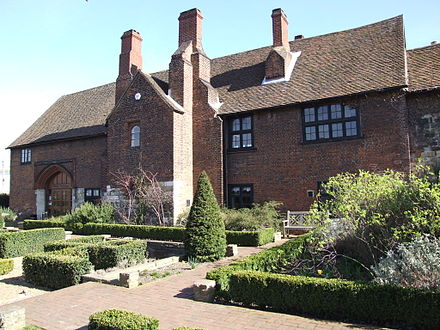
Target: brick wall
84	159
283	168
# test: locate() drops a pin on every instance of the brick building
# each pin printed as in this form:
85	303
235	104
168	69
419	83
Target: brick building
266	124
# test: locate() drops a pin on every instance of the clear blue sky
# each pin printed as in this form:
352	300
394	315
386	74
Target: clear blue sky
55	47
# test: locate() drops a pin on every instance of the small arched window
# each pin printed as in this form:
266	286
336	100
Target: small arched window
135	136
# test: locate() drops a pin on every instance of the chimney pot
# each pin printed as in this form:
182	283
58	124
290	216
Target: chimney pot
130	60
434	42
190	28
299	37
280	28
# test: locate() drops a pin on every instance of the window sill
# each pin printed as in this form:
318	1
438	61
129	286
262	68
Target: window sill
234	151
333	140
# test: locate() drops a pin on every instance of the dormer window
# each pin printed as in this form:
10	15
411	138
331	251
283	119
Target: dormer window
135	136
330	122
241	133
26	156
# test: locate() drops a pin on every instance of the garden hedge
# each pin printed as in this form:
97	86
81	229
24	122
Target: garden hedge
55	271
76	228
117	253
58	245
250	238
338	299
6	266
102	254
24	242
121	320
176	234
266	261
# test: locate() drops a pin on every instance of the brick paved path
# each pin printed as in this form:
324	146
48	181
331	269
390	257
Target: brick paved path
167	299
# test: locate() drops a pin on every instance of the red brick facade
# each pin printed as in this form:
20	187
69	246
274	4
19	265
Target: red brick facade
185	126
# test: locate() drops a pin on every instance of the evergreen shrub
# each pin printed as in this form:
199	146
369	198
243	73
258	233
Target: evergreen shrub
205	238
29	241
115	319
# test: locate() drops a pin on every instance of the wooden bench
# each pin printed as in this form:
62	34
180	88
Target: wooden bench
294	224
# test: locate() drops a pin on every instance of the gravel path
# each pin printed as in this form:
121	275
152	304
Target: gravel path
14	288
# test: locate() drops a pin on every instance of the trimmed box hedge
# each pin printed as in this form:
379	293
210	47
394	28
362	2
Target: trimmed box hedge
104	254
55	270
250	238
266	261
6	266
76	228
59	245
121	320
30	241
175	234
117	253
338	299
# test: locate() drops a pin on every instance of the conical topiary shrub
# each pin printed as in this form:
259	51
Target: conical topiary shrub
205	230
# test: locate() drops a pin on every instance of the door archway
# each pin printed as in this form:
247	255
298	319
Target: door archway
57	184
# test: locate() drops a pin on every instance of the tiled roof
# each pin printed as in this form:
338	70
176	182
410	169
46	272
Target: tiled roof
424	68
71	116
370	57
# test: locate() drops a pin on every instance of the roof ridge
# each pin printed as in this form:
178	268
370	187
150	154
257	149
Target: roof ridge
423	47
89	89
317	36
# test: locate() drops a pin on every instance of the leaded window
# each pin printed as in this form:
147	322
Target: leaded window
330	122
241	133
135	136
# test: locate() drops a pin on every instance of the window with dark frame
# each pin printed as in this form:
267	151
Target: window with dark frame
135	136
26	156
240	196
92	195
330	122
241	133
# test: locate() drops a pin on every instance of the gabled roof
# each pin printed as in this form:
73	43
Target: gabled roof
424	68
363	59
72	116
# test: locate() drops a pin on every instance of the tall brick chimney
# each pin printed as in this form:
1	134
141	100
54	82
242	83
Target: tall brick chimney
130	60
280	28
279	58
190	28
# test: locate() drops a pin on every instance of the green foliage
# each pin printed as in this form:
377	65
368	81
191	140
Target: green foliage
115	319
250	238
117	254
55	270
4	200
175	234
205	237
255	218
89	212
6	266
415	264
76	227
32	327
370	213
74	242
102	254
269	260
24	242
338	299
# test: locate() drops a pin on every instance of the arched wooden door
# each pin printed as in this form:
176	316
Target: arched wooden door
59	194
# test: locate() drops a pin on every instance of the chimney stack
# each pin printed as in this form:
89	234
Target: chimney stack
130	60
280	28
190	28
